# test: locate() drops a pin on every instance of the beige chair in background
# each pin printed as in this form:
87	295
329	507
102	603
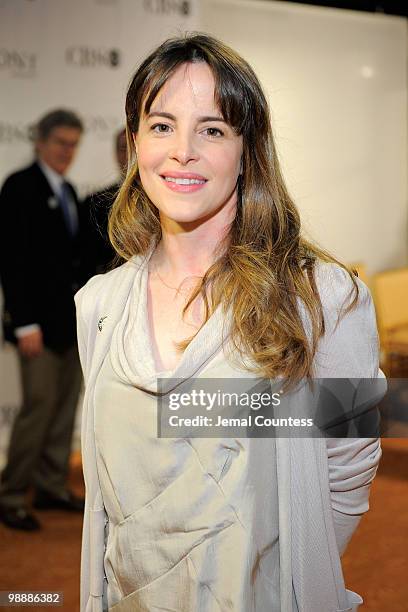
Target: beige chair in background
391	301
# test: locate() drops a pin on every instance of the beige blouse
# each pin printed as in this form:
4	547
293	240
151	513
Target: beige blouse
193	523
323	485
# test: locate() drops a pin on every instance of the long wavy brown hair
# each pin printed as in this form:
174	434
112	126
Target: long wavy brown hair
263	266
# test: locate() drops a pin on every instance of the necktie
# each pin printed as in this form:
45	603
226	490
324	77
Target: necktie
68	210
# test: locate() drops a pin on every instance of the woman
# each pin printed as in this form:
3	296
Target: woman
218	283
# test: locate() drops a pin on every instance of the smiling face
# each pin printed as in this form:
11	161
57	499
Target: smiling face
188	158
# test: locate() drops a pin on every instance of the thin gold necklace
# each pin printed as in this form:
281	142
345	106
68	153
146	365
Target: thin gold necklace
176	289
164	282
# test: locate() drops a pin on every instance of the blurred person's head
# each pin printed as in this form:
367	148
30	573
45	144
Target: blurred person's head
57	137
121	150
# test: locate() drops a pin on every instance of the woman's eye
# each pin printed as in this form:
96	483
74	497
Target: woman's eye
214	132
160	128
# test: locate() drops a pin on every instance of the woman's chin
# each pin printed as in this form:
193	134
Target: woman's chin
189	218
185	218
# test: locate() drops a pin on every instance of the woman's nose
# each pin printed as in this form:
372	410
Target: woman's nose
184	149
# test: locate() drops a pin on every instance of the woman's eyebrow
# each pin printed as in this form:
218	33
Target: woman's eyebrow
159	114
173	118
211	118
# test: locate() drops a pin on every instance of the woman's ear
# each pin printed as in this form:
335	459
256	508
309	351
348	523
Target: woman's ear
241	166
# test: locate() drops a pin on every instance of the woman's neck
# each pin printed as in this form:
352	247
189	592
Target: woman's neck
188	250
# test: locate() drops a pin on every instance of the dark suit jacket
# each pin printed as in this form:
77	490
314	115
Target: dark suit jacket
98	205
41	265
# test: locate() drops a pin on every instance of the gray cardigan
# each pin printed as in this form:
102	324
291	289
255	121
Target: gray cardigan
323	485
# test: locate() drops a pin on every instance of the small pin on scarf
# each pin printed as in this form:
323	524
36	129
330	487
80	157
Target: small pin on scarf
100	323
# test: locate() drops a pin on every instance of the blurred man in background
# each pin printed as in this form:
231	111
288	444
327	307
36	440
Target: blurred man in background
99	205
40	270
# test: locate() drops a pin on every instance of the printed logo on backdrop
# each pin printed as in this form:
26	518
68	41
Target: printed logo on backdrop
83	56
18	62
12	132
102	127
167	7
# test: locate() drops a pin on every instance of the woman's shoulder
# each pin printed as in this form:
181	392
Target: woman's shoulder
348	308
106	285
337	288
349	345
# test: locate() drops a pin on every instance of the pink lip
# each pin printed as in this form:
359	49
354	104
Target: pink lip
186	175
183	188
